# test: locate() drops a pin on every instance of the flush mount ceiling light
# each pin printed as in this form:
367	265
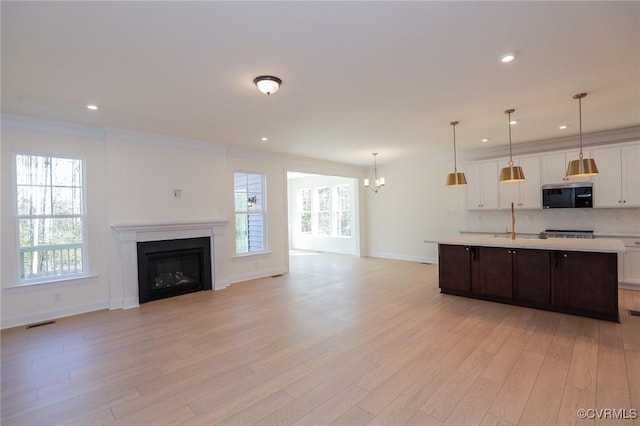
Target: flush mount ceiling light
455	178
511	173
582	167
377	181
507	57
267	84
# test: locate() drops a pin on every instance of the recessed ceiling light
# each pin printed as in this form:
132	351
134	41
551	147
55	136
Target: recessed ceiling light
507	57
512	122
264	139
92	107
562	126
485	140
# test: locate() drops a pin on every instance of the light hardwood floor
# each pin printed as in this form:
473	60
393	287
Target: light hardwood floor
339	340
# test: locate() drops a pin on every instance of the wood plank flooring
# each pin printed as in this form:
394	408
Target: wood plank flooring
338	341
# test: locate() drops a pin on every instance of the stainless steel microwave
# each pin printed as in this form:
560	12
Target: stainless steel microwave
567	195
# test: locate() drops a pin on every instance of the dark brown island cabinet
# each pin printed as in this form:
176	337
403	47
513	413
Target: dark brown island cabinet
574	282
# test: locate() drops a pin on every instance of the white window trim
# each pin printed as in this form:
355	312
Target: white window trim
265	247
22	282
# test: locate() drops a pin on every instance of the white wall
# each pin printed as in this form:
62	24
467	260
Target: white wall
298	240
27	304
131	177
413	206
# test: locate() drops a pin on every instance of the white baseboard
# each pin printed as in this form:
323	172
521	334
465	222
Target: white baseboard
52	314
253	276
629	286
395	256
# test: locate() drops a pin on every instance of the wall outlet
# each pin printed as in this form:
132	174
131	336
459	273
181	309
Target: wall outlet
177	193
529	218
57	297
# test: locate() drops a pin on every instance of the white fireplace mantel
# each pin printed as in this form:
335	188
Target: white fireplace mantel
124	291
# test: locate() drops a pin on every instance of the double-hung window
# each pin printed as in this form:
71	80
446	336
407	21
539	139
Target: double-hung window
51	216
342	210
250	213
324	210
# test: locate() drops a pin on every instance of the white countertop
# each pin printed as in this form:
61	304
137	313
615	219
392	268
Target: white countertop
600	245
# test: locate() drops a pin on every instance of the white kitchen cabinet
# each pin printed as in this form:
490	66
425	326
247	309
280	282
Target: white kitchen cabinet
526	194
618	181
629	262
482	185
554	166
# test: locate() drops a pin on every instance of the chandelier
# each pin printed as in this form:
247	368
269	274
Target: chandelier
376	182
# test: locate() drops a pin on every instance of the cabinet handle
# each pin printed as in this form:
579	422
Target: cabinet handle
509	251
565	255
624	201
467	249
513	252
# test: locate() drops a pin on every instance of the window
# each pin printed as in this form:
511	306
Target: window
324	210
305	211
250	212
51	216
342	211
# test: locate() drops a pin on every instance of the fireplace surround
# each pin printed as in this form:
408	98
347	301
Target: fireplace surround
123	277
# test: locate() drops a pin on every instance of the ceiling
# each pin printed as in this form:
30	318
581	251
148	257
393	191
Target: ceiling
358	77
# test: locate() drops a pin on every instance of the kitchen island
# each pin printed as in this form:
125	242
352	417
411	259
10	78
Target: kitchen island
576	276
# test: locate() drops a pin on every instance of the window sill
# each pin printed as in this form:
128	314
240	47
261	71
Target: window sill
57	280
255	253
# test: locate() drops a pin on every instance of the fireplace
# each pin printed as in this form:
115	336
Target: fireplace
168	268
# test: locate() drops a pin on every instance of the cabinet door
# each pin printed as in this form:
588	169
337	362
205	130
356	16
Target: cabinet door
607	185
631	265
590	283
509	192
489	177
454	267
496	272
482	185
532	276
553	167
474	198
631	175
530	192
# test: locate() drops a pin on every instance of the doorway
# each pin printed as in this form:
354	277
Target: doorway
323	213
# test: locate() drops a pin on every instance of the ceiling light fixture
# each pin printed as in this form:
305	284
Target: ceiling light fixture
562	126
485	140
378	182
508	57
267	84
92	107
582	167
264	139
511	173
455	178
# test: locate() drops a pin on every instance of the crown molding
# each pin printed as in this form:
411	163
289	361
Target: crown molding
43	125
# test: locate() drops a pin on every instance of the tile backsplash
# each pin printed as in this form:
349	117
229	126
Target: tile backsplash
534	221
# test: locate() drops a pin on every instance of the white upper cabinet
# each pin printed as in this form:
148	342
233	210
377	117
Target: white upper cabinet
482	185
526	194
554	166
618	181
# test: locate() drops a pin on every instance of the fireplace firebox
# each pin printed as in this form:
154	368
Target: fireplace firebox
170	268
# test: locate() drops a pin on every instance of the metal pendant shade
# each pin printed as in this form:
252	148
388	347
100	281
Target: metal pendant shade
511	173
582	167
456	178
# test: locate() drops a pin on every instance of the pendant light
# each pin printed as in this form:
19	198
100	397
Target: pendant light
377	181
582	167
455	178
511	173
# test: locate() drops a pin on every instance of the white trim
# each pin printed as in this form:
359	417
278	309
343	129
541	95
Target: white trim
53	279
124	292
255	275
251	254
164	140
629	286
52	314
395	256
60	128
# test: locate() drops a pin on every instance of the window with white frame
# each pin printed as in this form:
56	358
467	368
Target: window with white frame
250	214
324	210
51	216
306	204
342	210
